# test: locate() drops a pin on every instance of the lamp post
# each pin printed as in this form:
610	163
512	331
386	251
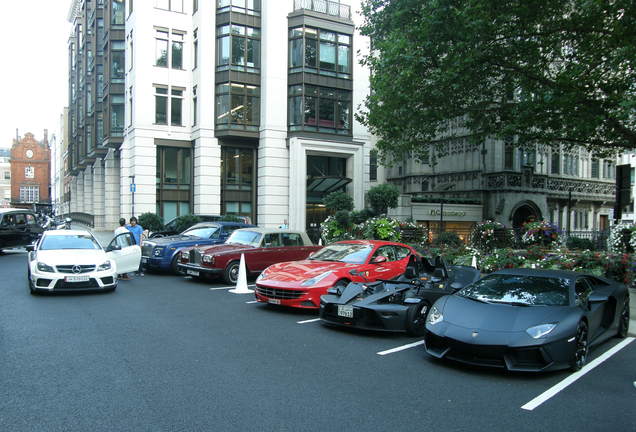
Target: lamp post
569	210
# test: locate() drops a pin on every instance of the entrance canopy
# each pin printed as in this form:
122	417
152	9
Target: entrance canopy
326	184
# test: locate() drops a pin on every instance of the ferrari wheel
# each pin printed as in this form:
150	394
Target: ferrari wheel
230	275
582	349
623	321
416	319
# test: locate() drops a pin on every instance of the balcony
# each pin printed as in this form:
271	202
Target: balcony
333	8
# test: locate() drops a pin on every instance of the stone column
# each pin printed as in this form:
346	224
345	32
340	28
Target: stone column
98	194
80	192
207	176
88	190
112	210
138	158
73	201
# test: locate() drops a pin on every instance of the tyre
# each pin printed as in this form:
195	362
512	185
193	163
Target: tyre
173	264
230	274
416	318
581	349
623	321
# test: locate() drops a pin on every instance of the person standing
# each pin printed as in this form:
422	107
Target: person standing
121	229
136	231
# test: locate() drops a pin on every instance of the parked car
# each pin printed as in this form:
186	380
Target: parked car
73	260
399	305
162	253
528	320
301	283
18	228
261	247
170	228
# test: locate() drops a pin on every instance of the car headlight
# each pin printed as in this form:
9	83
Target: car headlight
315	280
45	268
104	266
263	275
208	259
541	330
434	316
158	251
184	256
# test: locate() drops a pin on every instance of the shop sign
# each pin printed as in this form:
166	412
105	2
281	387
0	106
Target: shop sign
458	213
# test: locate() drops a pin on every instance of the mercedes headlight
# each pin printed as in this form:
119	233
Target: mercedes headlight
434	316
541	330
315	280
45	268
158	251
104	266
208	259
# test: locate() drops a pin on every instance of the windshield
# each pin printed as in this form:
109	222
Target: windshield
75	241
203	232
523	290
344	252
249	238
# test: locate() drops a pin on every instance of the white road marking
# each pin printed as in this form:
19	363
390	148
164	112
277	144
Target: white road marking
552	391
250	302
401	348
308	321
227	287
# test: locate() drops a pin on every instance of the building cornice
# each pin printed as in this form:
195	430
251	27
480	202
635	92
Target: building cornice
74	10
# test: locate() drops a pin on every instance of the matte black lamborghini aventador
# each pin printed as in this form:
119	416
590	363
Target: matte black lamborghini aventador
399	305
528	320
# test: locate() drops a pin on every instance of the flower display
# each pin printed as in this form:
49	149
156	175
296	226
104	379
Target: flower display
489	235
622	238
540	233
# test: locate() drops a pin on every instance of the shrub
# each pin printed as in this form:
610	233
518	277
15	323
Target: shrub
540	233
380	228
150	221
331	230
448	238
337	201
361	216
579	243
383	197
184	222
343	218
489	235
231	218
622	238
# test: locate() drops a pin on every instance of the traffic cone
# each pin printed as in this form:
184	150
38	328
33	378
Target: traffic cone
320	241
241	281
473	263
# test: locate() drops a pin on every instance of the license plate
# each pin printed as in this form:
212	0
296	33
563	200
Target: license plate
273	301
345	311
76	279
192	272
144	260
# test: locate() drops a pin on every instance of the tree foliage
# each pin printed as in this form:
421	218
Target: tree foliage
383	197
338	200
545	71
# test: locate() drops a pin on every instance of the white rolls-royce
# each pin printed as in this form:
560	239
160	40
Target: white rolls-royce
73	260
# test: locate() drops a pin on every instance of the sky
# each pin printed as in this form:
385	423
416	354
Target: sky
34	70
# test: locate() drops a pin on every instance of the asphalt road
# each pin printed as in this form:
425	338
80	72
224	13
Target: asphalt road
165	353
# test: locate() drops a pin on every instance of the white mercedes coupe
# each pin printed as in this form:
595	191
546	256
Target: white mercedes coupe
73	260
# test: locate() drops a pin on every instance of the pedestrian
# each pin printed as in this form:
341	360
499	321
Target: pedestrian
121	229
136	231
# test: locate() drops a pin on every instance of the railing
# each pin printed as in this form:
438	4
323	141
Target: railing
83	218
333	8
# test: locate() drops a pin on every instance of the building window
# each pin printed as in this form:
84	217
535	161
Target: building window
195	49
555	166
248	7
320	51
100	128
373	165
238	48
595	168
170	5
609	169
509	156
100	36
319	109
237	106
7	175
29	194
164	39
173	180
238	176
118	59
100	82
29	172
194	106
173	96
117	17
571	165
117	115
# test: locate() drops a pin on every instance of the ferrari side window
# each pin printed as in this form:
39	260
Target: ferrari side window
386	251
401	252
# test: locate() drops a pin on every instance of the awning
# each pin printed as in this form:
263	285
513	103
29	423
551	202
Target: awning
326	184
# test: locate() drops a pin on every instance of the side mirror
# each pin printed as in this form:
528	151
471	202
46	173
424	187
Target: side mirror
113	248
596	298
30	248
456	286
378	260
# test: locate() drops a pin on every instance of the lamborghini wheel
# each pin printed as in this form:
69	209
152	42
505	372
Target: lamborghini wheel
623	321
416	319
581	349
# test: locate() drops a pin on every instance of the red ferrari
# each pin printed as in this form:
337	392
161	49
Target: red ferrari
301	283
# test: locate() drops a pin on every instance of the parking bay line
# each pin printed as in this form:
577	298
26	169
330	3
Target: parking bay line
251	302
228	287
400	348
552	391
308	321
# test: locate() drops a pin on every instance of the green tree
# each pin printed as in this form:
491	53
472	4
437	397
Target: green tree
150	221
383	197
544	71
338	200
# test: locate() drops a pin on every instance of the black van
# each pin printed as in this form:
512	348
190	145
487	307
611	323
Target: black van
18	228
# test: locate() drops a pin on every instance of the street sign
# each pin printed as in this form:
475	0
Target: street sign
133	187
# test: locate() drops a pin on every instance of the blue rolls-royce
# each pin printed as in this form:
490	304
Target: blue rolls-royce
162	253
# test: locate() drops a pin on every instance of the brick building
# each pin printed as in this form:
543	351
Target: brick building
30	171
